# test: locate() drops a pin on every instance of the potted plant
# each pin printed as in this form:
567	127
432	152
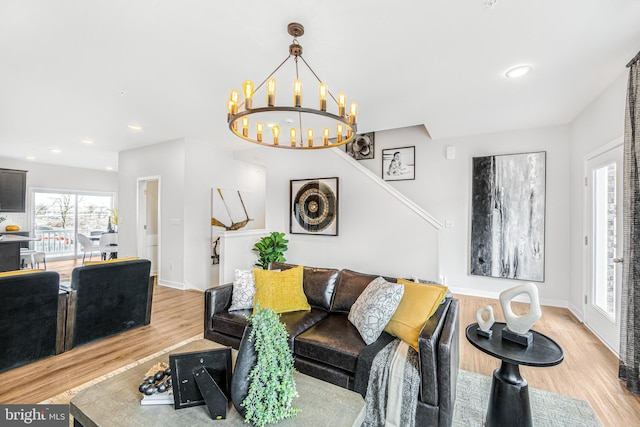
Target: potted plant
270	248
268	390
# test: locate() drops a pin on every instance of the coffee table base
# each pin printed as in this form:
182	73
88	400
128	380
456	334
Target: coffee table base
509	399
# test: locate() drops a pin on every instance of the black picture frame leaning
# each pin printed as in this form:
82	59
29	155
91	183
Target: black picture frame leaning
362	147
313	206
508	218
202	378
399	164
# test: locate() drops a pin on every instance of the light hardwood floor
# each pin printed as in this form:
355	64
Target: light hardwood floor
589	370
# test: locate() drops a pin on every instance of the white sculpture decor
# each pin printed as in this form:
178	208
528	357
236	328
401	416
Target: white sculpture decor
484	326
518	326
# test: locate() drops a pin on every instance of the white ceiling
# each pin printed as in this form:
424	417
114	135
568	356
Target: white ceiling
441	63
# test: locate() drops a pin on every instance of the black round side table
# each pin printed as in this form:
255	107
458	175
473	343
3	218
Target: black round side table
509	399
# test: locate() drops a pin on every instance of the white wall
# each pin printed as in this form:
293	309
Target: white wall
165	160
599	123
188	170
376	233
443	188
449	190
211	166
42	175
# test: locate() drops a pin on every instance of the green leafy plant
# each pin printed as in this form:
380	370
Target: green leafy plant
270	248
272	385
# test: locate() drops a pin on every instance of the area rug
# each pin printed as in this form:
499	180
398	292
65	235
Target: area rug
548	409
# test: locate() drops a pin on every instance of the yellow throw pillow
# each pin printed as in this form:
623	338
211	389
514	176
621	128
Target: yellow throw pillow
19	272
281	291
109	261
418	304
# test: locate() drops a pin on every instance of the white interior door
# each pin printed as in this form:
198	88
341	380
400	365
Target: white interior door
148	214
604	246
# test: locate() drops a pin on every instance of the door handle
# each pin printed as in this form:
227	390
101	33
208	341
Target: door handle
618	260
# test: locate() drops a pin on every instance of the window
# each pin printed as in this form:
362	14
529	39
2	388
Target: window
59	215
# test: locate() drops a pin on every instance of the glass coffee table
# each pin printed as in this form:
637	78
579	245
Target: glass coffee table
509	399
116	402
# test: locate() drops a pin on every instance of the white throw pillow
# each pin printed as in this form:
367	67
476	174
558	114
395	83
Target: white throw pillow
374	308
244	289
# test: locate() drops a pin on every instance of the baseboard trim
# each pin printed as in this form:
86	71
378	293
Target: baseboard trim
169	284
576	311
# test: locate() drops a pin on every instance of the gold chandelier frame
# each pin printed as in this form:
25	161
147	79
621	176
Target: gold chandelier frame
344	123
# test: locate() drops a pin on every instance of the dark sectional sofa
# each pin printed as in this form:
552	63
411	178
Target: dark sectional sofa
41	317
327	346
106	299
32	315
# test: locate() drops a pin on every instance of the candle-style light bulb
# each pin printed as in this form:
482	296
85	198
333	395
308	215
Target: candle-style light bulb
292	133
325	136
245	126
339	132
310	137
271	92
276	133
234	99
297	92
259	129
230	109
322	91
247	88
342	101
354	113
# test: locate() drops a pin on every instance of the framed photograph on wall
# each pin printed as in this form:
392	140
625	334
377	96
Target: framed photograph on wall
314	206
508	216
362	147
399	164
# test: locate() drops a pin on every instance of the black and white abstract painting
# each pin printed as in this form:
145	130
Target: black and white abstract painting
508	216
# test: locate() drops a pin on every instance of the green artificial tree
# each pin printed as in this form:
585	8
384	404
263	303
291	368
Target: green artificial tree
270	248
272	385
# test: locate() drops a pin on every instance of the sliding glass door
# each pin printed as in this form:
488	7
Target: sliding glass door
59	215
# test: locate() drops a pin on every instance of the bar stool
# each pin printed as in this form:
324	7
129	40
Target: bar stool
32	258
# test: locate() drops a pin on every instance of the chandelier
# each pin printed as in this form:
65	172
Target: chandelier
305	127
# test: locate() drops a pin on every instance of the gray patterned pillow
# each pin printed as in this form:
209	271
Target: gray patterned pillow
244	289
374	308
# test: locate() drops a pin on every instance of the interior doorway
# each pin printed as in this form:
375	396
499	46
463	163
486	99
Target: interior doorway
148	230
604	244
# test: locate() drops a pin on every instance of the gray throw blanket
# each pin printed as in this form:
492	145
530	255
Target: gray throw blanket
394	383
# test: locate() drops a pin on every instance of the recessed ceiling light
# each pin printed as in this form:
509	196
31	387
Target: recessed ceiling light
87	141
270	125
518	71
56	150
109	168
134	127
30	157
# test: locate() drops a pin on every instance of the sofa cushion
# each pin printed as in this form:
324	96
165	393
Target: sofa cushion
244	289
418	304
319	283
333	340
230	323
280	291
374	307
349	287
111	261
296	322
19	272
